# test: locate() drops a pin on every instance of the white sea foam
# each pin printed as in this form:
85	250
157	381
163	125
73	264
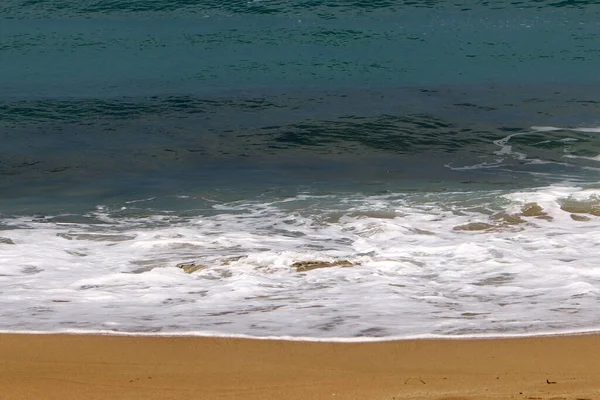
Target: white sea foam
554	128
510	153
595	158
590	130
204	334
477	263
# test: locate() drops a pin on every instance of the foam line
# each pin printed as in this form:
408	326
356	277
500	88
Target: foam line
201	334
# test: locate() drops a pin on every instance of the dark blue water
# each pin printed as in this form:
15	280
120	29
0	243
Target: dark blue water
112	99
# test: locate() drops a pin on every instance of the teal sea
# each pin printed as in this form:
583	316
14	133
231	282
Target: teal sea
438	161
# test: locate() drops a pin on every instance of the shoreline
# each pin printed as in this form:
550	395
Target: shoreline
74	366
308	339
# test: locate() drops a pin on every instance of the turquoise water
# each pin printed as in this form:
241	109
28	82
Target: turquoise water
140	48
137	135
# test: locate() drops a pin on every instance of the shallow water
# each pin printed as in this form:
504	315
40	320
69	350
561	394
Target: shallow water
441	157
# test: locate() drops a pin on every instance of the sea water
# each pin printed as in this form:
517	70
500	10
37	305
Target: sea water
308	169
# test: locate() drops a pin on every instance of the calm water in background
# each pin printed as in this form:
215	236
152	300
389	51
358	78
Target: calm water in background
448	150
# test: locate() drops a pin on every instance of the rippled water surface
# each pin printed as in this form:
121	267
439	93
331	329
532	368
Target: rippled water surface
328	169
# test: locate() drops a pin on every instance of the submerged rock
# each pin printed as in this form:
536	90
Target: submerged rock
582	218
4	240
230	260
532	210
421	231
501	220
473	226
190	267
535	210
302	266
591	206
509	219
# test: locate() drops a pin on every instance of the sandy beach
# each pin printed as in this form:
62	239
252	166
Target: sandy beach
123	367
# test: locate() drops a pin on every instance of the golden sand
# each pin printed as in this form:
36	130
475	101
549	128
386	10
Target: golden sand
123	367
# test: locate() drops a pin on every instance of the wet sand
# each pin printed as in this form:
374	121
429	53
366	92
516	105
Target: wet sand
124	367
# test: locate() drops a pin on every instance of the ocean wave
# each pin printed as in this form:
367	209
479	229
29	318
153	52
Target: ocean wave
327	266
